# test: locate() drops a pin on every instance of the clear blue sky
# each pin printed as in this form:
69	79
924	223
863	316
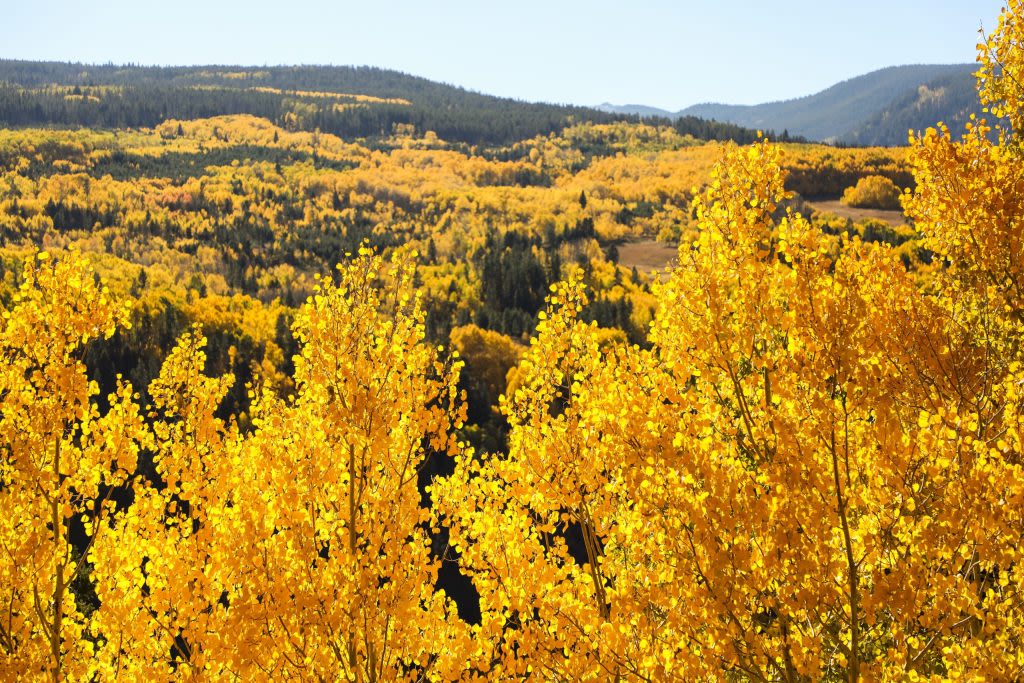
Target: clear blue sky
661	53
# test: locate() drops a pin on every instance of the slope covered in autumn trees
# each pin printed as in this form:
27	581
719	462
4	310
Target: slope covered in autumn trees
802	462
225	221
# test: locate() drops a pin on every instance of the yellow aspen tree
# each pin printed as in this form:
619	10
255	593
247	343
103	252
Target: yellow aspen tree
159	571
61	461
777	490
817	553
969	205
1001	77
561	535
300	549
336	514
506	513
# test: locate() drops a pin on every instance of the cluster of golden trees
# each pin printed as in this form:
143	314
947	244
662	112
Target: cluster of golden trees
218	218
224	221
814	472
873	191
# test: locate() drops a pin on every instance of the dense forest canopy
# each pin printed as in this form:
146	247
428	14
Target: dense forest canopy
227	220
281	404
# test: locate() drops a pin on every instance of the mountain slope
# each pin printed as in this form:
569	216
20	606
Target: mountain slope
637	110
877	108
950	99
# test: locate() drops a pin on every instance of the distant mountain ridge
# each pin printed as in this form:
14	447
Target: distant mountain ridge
877	108
637	110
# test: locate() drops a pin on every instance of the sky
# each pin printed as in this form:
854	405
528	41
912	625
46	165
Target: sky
659	53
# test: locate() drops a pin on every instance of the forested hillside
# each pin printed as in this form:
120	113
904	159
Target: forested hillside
874	109
951	99
225	221
352	102
278	404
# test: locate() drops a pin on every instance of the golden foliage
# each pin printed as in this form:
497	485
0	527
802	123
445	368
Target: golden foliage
812	472
61	458
1001	77
488	355
873	192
